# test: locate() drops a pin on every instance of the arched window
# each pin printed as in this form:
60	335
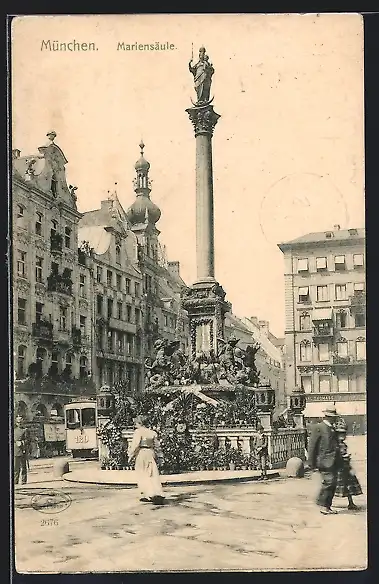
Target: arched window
305	351
22	409
118	254
21	362
41	410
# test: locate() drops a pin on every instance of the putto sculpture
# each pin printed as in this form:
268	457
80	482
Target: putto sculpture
202	72
230	366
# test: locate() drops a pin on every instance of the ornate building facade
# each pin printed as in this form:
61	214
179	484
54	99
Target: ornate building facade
52	350
325	333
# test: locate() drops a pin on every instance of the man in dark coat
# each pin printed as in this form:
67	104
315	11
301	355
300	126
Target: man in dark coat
262	451
21	450
323	454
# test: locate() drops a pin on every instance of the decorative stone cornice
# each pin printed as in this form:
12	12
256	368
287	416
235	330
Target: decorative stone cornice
204	119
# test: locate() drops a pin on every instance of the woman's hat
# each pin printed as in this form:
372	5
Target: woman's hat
330	412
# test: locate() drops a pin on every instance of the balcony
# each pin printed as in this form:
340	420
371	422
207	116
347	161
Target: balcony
63	337
321	334
358	303
76	337
122	325
58	283
42	330
56	243
338	360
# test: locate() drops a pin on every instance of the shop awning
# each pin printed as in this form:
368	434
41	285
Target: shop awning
322	314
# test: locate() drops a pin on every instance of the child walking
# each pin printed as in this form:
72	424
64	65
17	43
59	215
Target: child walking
347	482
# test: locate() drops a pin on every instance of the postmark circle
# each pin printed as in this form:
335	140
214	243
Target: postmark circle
51	501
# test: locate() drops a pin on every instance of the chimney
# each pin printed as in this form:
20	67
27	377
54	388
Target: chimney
337	227
174	267
263	326
16	154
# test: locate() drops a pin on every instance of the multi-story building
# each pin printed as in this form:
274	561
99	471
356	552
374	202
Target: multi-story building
325	321
136	290
52	350
268	359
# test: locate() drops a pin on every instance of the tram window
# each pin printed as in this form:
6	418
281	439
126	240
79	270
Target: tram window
88	417
73	419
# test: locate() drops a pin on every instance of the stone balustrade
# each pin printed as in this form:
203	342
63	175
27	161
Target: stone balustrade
283	444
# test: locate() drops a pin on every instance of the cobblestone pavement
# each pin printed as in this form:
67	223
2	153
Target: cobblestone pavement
271	525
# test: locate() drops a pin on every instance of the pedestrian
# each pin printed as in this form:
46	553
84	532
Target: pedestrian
21	450
354	428
146	450
262	452
324	455
347	482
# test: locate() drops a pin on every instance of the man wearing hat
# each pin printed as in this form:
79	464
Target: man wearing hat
21	450
324	455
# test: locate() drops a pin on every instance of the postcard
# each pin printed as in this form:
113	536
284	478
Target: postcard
188	293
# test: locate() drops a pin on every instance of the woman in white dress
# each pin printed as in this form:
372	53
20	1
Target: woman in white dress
146	450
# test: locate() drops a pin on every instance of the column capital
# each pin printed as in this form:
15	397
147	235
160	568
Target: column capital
204	119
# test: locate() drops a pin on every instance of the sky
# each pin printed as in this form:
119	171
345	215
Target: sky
288	150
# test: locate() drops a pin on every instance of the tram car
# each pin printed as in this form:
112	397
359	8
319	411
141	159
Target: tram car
80	418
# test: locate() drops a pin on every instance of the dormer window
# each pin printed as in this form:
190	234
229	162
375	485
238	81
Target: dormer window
54	185
329	234
302	265
118	254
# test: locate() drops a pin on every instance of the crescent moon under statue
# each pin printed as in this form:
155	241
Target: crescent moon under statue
204	104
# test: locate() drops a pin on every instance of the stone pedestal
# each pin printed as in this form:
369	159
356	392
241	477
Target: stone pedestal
299	420
265	419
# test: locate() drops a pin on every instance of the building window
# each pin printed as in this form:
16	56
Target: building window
359	287
118	254
39	311
341	292
20	216
118	281
165	320
54	363
322	294
110	307
343	383
137	289
67	237
358	260
99	304
360	320
342	349
68	363
120	343
82	285
21	263
110	341
99	274
119	310
339	263
83	367
39	217
39	269
137	313
82	321
128	313
63	318
323	352
304	294
54	227
321	264
306	383
21	362
305	351
54	185
324	383
360	347
128	344
341	319
302	265
127	285
54	268
109	277
21	311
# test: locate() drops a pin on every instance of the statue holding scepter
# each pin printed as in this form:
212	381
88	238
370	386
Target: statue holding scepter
202	73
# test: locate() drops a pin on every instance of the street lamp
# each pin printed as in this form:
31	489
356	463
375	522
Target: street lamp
265	403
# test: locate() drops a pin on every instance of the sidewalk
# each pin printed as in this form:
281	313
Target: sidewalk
127	477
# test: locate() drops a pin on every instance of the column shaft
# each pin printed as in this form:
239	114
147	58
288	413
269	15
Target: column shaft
204	208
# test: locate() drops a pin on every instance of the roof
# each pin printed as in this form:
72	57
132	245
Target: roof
323	236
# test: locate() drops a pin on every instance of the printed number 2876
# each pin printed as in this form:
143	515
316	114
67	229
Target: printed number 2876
48	522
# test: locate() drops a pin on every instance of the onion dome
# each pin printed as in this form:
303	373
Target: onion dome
143	210
142	163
